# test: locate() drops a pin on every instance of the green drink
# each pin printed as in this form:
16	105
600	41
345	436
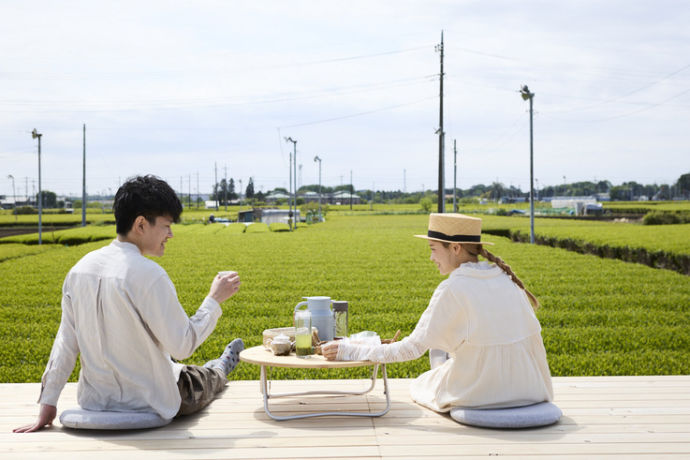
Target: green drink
303	343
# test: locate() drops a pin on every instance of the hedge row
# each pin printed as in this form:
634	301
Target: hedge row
655	259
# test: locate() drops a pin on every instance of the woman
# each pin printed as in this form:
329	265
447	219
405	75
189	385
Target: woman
482	316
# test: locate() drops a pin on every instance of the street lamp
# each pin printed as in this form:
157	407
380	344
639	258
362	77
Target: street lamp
14	196
527	95
293	177
316	158
36	135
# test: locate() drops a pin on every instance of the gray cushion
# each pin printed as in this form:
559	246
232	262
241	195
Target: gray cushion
108	420
540	414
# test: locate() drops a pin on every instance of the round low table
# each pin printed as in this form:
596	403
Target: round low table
265	358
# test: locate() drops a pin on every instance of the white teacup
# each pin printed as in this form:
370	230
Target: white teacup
227	272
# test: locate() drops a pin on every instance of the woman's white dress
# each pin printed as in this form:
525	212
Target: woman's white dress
487	325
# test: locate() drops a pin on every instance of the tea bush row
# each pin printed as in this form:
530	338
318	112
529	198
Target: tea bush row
599	316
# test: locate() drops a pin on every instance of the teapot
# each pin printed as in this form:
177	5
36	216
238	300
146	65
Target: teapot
321	315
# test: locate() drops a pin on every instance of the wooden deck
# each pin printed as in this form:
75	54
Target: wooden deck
604	417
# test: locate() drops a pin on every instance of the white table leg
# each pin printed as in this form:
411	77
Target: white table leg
267	396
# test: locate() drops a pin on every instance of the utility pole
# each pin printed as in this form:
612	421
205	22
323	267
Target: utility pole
290	193
83	182
373	194
215	185
225	190
317	158
404	180
189	191
527	95
181	191
441	134
293	177
352	190
197	189
36	135
14	196
455	174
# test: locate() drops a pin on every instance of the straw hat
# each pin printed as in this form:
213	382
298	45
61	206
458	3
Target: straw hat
454	228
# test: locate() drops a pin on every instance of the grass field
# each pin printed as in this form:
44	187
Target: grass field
599	316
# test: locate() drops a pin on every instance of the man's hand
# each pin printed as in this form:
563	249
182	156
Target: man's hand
45	418
224	286
330	350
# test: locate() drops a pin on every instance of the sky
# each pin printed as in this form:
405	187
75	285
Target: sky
178	88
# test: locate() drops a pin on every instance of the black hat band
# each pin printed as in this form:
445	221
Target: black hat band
454	238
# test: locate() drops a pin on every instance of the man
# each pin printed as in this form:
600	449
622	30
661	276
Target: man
120	312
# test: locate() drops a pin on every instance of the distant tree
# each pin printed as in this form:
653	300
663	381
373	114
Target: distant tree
345	187
220	192
49	199
495	191
683	186
664	192
475	190
619	193
603	186
426	204
249	192
231	190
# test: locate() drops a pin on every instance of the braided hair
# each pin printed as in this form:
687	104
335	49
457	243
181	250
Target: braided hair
479	250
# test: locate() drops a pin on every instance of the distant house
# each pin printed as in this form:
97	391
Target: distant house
512	199
310	197
603	197
9	202
274	197
343	197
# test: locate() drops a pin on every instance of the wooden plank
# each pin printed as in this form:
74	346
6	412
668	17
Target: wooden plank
518	437
412	451
227	442
636	417
232	453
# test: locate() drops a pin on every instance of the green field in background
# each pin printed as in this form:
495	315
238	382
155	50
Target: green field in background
599	316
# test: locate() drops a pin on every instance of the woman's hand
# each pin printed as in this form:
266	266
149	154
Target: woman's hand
330	350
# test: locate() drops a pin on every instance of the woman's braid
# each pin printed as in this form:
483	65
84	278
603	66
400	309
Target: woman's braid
509	271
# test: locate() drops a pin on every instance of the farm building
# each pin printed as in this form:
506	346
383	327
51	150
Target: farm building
267	216
582	205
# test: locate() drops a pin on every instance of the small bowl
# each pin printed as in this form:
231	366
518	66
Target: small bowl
281	349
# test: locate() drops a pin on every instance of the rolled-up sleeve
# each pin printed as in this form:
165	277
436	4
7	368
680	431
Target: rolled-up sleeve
443	313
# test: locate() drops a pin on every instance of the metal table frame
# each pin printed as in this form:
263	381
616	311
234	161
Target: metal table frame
265	385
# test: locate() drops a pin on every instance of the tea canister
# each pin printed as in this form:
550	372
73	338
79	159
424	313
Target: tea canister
340	315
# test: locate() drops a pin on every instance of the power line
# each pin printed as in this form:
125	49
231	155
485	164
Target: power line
326	120
635	91
643	109
35	106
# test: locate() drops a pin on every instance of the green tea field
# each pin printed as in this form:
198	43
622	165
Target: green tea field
599	316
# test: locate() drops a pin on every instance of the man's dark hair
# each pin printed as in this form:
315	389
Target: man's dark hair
147	196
